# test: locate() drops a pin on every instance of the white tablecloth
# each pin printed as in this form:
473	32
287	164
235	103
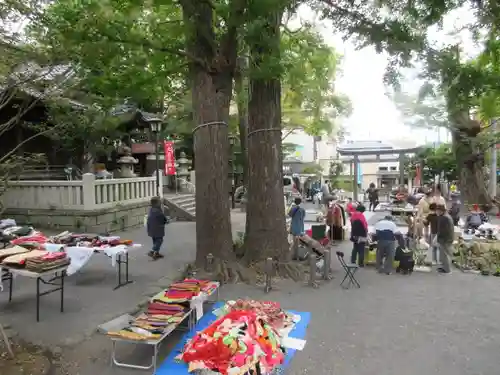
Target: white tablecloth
80	256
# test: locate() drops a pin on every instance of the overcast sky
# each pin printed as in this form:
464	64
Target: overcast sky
374	114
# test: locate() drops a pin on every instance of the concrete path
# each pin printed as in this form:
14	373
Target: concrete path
89	296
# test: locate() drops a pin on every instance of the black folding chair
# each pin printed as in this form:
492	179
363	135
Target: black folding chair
350	270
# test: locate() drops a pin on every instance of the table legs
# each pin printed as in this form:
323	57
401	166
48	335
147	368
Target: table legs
123	262
154	359
58	282
7	276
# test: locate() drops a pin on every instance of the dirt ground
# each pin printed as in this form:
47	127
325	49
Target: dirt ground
28	360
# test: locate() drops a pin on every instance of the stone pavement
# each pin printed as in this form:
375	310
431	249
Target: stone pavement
89	296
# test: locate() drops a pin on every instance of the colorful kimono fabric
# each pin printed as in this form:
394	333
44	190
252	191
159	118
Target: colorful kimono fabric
240	340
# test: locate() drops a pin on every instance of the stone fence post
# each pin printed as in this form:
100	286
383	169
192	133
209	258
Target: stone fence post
161	174
88	191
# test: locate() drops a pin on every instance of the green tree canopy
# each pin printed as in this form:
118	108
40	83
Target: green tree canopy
309	99
435	161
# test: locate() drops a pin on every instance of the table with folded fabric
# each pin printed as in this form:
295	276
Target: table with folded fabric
47	268
81	246
166	311
196	292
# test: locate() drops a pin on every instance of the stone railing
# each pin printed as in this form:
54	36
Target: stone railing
185	186
86	194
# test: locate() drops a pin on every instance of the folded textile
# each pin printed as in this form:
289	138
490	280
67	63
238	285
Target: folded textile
39	239
20	259
12	251
46	266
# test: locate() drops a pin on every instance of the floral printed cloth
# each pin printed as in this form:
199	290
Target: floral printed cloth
245	335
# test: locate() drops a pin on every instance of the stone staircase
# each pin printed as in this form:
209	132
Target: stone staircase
182	206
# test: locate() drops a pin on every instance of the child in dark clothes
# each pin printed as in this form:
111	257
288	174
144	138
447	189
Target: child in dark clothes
156	227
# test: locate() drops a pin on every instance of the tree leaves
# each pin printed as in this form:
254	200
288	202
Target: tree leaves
310	68
120	49
436	161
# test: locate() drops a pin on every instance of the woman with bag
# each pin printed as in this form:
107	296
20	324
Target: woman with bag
359	234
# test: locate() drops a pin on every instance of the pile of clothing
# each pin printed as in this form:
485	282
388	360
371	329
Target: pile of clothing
165	309
9	230
186	290
33	260
152	324
246	337
11	251
89	240
47	262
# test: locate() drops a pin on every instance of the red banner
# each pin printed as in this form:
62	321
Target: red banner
169	158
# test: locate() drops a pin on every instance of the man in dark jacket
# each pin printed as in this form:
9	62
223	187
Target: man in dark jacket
156	227
445	237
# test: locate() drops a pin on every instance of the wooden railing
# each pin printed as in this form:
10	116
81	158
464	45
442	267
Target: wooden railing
87	194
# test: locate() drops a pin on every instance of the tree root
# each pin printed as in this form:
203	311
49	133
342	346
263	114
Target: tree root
283	270
231	272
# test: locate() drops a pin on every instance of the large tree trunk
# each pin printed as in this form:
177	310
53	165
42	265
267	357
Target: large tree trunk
266	236
470	161
213	226
211	144
241	89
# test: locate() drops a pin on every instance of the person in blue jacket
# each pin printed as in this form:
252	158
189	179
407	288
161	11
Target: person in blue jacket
156	227
298	215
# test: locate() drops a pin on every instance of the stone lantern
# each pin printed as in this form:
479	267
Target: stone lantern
183	165
126	163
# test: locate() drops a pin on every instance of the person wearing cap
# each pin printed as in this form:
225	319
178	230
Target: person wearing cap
386	231
444	238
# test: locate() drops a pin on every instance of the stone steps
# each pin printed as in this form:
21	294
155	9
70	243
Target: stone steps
182	206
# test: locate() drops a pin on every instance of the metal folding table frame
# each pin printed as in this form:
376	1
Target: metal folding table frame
190	316
57	282
122	269
122	259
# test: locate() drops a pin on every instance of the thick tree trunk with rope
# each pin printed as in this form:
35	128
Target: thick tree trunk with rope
470	161
241	89
210	74
266	235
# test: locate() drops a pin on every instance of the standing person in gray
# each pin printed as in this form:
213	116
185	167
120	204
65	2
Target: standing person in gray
445	237
386	231
326	198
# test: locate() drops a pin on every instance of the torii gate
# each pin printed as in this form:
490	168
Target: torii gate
398	155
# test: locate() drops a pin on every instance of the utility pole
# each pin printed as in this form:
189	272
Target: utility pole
493	168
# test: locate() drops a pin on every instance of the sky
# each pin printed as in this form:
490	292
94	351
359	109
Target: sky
374	114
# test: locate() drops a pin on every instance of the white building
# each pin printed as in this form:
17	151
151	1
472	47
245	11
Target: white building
320	150
382	170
